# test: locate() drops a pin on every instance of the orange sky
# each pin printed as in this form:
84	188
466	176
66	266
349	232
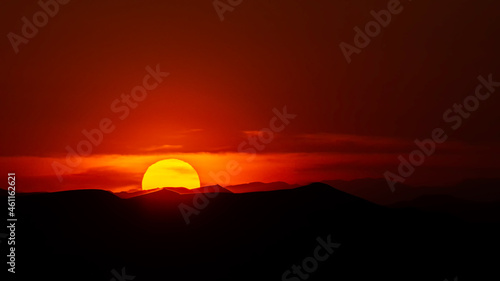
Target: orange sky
225	78
115	172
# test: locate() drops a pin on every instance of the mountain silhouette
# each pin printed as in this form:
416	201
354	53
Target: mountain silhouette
377	190
85	234
260	186
130	194
203	189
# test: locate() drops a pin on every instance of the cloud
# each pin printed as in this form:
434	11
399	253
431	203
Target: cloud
163	148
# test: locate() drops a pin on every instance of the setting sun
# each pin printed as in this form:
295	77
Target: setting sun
170	173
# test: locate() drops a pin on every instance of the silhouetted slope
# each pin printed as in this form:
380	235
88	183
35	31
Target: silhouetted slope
465	209
260	186
126	195
203	189
375	190
83	235
378	191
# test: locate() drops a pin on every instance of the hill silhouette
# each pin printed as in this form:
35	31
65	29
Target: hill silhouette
377	190
203	189
130	194
83	235
260	186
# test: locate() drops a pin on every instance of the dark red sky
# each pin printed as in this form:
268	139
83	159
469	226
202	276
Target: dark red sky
227	76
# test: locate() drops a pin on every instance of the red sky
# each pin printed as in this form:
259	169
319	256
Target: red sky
225	77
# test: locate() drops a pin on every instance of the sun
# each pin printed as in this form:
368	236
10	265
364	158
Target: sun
170	173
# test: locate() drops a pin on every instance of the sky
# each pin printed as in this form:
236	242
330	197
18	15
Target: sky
213	85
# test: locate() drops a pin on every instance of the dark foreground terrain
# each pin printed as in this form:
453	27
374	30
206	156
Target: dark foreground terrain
94	235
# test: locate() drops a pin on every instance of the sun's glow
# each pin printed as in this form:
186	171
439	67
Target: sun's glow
170	173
